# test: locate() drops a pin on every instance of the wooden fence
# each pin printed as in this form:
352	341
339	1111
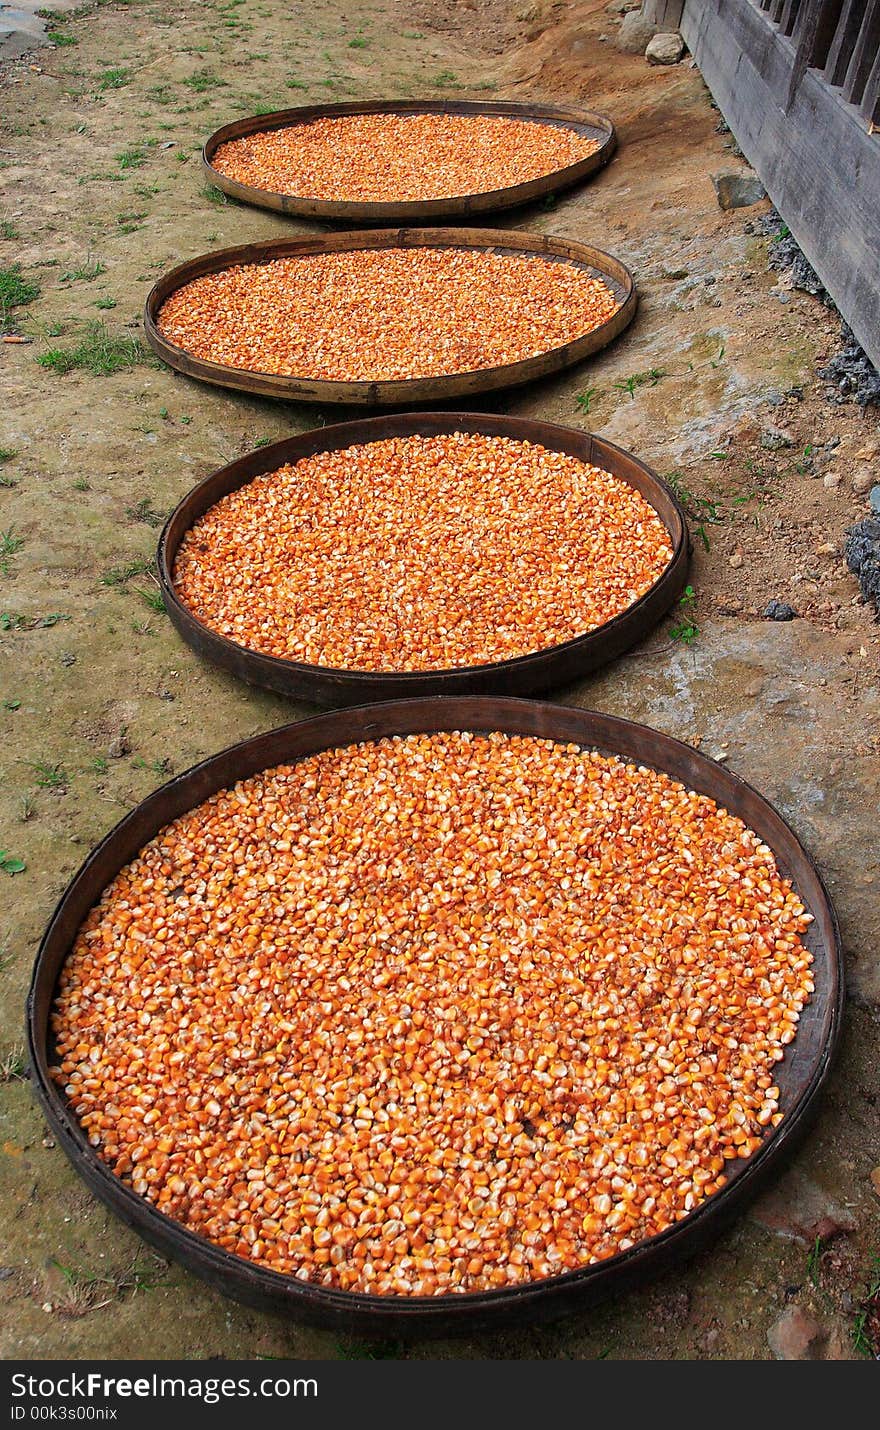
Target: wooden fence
798	81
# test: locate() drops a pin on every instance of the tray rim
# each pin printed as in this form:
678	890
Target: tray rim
455	206
463	1312
535	670
385	391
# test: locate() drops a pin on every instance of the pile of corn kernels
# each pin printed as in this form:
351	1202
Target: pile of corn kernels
379	158
440	1013
365	315
421	553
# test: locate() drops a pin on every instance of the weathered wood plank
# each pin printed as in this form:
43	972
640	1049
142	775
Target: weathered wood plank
818	162
842	45
864	53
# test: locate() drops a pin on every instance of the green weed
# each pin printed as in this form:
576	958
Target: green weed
10	863
15	292
98	352
686	629
9	544
144	511
49	776
584	400
116	78
639	379
118	575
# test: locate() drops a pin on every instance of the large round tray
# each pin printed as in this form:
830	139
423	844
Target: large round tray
525	675
800	1076
398	390
594	126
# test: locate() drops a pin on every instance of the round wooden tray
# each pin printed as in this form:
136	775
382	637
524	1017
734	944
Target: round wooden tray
800	1076
525	675
399	391
594	126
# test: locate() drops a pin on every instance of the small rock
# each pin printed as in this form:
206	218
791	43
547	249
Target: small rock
773	439
779	611
635	32
738	188
6	1272
796	1336
869	453
798	1208
736	561
875	1181
826	549
874	500
831	481
119	746
665	49
862	481
623	7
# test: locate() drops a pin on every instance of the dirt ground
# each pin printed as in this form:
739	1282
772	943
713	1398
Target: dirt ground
99	700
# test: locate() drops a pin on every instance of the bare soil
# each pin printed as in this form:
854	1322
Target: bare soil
99	701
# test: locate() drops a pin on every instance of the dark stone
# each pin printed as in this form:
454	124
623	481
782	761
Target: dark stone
852	372
779	611
862	552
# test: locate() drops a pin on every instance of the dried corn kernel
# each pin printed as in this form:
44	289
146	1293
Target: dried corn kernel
375	315
315	952
383	158
421	553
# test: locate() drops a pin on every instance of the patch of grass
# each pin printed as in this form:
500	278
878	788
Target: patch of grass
98	352
7	453
359	43
446	79
12	704
158	767
86	273
144	511
585	399
118	575
8	229
153	598
9	544
48	776
87	1291
686	629
639	379
26	808
204	79
131	158
129	223
296	84
16	291
82	484
10	864
114	78
59	38
217	196
13	1065
105	303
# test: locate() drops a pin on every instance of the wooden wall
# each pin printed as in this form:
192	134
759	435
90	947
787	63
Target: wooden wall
798	81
